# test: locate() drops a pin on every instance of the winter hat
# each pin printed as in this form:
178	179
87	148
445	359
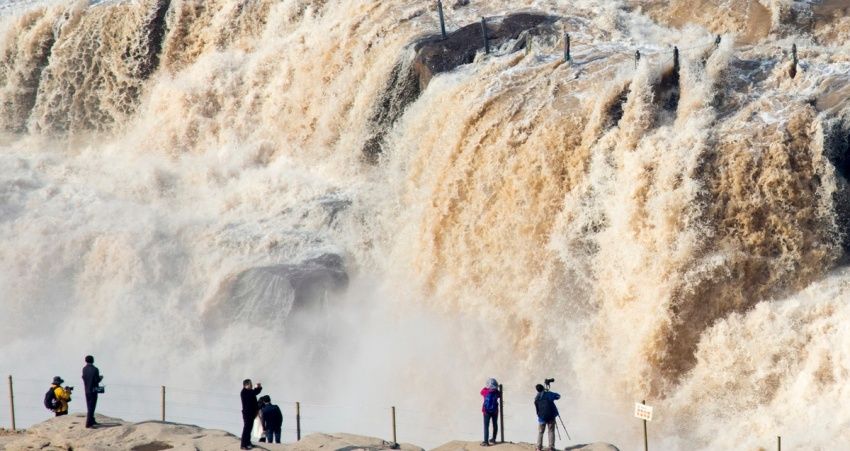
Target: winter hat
492	384
58	380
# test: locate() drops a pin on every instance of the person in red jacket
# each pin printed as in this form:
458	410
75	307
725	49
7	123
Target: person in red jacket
490	409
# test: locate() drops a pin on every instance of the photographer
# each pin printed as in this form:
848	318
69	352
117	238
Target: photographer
91	381
57	398
250	408
547	412
490	409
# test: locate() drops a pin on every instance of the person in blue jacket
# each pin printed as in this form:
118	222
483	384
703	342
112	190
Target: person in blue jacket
547	412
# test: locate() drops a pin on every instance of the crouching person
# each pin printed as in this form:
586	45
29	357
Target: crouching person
57	398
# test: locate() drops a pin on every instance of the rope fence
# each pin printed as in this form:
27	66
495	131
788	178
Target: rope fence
219	410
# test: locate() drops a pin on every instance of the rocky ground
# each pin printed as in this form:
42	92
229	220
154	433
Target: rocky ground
68	433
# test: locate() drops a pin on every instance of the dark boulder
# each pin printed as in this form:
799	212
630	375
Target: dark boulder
433	55
268	295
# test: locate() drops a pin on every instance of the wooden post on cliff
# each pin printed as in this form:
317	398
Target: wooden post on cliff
637	58
395	439
502	411
484	35
442	19
163	403
567	56
12	402
298	421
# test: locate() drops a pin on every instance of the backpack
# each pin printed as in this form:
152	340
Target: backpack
491	402
546	410
50	400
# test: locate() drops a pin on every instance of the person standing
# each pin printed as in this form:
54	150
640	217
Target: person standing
58	397
272	420
490	409
249	410
547	412
91	383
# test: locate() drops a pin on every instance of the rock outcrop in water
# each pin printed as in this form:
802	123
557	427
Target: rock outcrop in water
434	55
266	295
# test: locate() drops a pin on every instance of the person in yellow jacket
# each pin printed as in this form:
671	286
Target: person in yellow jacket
63	396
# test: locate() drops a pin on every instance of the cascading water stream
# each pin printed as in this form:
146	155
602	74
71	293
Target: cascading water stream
199	192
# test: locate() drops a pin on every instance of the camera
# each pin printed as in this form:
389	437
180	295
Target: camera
548	381
69	388
99	389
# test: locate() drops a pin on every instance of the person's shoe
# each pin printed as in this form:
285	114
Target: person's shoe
485	444
493	441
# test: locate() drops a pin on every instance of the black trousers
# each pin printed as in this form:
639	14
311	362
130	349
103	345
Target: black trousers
91	403
248	425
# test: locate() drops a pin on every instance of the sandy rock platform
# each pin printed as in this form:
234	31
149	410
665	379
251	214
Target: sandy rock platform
69	433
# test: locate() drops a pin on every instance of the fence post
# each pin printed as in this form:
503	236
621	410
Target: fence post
502	412
567	56
484	35
395	439
778	443
442	19
163	403
298	421
637	58
676	59
12	402
793	71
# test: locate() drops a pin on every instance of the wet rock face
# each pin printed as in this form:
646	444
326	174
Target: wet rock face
269	295
837	149
433	55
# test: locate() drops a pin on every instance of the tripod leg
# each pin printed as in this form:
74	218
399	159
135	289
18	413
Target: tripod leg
565	428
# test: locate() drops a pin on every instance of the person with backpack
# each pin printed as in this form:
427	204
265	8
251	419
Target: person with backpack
57	398
490	409
547	412
272	420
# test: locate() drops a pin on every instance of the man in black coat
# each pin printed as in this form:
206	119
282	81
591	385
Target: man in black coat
91	380
249	410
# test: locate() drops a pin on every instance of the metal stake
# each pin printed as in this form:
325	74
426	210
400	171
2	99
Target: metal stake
676	59
163	403
484	35
442	19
